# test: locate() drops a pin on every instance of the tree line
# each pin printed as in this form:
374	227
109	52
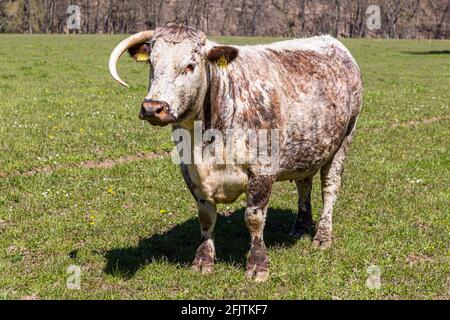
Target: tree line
290	18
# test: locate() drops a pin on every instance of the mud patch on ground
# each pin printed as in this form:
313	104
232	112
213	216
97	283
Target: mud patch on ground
414	123
406	124
90	164
416	258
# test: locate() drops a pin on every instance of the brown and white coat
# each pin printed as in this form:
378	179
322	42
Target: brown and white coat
309	90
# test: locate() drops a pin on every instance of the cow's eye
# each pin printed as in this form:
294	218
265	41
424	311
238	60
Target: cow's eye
189	68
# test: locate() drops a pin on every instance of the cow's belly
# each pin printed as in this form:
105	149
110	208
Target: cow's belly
296	174
218	183
297	162
312	137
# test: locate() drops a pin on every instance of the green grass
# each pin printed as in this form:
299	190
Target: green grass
132	228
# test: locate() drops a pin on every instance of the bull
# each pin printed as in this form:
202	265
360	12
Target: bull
308	90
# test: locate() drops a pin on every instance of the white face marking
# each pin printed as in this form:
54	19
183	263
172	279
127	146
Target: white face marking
177	76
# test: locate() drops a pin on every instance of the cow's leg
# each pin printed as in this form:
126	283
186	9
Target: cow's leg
258	193
304	222
207	216
204	258
331	176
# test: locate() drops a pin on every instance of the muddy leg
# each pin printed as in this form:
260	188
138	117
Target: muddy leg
304	223
204	258
258	193
331	176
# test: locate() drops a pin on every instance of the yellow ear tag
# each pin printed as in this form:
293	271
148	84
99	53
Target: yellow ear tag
222	62
142	57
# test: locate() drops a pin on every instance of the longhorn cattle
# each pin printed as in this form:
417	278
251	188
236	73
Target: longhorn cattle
306	92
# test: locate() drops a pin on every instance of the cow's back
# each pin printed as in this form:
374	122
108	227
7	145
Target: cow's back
308	89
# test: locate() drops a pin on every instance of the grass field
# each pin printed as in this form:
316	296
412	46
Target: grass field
84	182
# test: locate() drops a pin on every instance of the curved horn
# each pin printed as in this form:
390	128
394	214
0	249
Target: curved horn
121	48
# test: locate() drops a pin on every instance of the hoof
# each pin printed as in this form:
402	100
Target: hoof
257	276
261	276
203	268
302	227
257	262
204	258
300	232
323	238
296	233
323	245
321	242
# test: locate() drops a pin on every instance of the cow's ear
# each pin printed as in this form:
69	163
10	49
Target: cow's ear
222	55
140	52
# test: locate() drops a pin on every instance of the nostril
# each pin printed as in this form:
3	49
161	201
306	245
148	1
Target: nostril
158	109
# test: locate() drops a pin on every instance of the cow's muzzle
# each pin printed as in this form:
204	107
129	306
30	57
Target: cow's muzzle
156	112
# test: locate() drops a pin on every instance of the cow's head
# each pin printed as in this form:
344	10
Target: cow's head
178	58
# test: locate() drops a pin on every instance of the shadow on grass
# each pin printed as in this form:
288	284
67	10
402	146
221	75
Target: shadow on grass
430	52
179	244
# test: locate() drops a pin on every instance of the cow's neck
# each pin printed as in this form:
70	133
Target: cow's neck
235	99
214	104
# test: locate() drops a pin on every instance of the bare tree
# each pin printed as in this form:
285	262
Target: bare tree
393	11
283	6
26	21
337	5
440	11
347	18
